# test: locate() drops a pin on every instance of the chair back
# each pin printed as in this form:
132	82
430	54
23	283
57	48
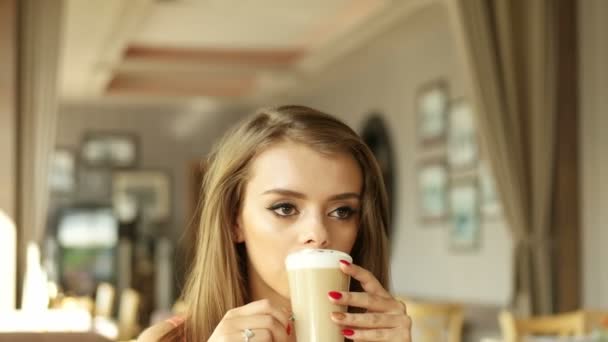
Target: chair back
104	300
127	314
435	322
578	323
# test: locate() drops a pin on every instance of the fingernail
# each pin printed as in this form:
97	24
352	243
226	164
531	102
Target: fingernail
338	315
335	295
288	329
345	263
348	332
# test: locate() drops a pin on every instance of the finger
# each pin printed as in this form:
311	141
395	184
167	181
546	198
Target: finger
403	305
374	334
370	320
366	278
264	321
366	301
260	307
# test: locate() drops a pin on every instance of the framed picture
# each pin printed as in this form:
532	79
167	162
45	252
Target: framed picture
431	108
490	203
464	215
94	184
462	149
62	173
109	149
433	184
149	189
87	236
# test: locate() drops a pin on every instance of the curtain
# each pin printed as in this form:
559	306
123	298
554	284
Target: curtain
38	68
509	52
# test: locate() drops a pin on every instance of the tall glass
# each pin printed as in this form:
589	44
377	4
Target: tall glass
312	274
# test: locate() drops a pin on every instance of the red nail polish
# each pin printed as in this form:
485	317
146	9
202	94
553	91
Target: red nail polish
348	332
335	295
345	263
289	329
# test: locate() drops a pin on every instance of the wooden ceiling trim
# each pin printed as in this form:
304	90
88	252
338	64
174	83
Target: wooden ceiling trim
255	57
151	85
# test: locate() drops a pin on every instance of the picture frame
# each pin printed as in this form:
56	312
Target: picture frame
431	108
86	237
110	149
150	189
464	228
94	184
433	181
490	203
63	169
462	146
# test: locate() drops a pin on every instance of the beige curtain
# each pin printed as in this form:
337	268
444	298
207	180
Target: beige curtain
508	47
38	64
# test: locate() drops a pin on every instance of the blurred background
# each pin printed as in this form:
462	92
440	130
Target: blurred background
487	118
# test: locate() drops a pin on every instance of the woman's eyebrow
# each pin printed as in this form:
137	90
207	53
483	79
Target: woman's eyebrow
345	196
285	192
291	193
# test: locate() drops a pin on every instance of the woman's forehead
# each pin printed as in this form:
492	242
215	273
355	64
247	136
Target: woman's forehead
295	166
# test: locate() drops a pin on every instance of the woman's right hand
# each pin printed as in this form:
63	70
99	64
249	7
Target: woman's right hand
266	321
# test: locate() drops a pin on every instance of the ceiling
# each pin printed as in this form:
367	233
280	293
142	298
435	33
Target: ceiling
223	50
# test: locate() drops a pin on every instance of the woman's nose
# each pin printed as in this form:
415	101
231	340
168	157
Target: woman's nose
315	234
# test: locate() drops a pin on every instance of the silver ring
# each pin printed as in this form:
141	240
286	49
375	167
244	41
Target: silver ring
247	334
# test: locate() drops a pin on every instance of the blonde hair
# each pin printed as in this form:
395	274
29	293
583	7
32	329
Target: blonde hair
218	280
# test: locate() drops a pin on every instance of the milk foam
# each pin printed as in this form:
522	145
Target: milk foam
316	258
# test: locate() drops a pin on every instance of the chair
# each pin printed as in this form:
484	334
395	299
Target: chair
578	323
128	314
72	302
435	322
104	300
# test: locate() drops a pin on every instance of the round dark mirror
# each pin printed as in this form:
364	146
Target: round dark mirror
376	136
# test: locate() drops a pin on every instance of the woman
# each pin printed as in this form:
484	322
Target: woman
285	179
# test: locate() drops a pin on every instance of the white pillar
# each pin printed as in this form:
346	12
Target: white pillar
35	286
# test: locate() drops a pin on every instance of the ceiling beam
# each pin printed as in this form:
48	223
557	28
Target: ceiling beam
162	85
216	56
145	65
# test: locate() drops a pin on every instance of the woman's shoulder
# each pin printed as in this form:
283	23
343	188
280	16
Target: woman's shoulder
158	330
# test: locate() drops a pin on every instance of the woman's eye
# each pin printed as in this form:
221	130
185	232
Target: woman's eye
284	209
343	213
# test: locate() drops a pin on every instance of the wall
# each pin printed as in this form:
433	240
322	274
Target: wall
384	77
594	144
170	138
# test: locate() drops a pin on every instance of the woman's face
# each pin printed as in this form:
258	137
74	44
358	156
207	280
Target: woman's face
296	198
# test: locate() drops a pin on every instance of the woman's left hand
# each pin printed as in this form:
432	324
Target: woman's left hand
386	318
